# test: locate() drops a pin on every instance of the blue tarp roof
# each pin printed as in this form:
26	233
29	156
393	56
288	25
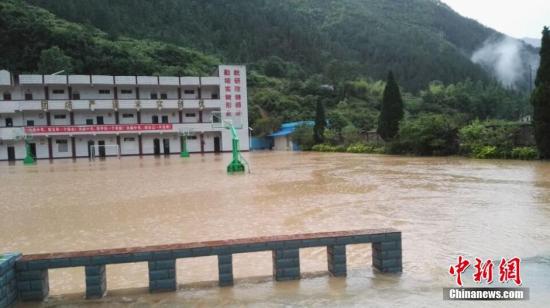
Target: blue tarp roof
288	128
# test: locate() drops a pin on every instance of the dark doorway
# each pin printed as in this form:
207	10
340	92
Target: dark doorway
100	120
91	149
9	122
217	148
156	145
155	119
101	148
165	119
32	148
166	146
11	153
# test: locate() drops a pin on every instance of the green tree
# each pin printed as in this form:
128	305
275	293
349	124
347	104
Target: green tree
429	134
541	98
320	123
54	60
391	112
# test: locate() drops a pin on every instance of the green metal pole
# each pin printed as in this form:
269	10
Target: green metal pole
236	165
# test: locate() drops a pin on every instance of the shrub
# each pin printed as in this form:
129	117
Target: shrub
303	136
525	153
328	148
428	134
365	148
485	152
497	134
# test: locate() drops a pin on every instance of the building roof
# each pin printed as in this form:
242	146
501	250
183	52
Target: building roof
290	127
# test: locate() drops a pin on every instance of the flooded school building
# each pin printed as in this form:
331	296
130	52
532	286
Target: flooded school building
73	116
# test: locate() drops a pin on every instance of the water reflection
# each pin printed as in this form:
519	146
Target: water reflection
445	207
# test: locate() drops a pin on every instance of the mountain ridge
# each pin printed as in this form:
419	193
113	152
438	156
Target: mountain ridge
420	40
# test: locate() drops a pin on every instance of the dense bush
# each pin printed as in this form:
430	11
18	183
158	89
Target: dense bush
428	134
485	152
365	148
328	148
525	153
303	136
490	139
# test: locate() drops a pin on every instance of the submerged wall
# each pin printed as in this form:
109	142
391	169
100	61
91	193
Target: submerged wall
8	283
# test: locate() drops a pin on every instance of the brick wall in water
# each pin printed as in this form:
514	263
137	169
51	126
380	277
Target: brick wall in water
8	283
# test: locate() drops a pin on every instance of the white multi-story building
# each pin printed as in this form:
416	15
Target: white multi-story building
71	116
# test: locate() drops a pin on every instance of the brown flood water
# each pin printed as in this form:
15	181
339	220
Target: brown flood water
445	207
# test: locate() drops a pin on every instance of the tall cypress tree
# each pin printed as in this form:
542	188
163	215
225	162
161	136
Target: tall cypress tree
320	123
541	98
392	110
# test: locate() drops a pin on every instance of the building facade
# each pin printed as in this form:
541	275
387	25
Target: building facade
73	116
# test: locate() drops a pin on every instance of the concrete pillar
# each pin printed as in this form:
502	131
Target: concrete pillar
96	281
50	148
73	147
162	276
8	283
286	264
336	258
386	255
225	270
140	144
33	285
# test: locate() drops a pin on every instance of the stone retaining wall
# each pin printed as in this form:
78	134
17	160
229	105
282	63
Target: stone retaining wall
32	270
8	283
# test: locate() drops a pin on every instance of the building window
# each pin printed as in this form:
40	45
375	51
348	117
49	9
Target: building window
163	96
60	116
58	91
188	91
154	96
125	91
89	121
128	115
7	96
62	146
164	119
30	122
104	91
129	139
215	96
76	95
190	115
28	96
191	137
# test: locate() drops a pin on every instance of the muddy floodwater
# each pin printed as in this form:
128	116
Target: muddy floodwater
445	207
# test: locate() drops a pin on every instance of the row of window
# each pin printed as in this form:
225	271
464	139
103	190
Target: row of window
76	95
99	119
63	144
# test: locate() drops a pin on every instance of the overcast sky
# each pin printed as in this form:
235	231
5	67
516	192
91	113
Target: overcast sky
517	18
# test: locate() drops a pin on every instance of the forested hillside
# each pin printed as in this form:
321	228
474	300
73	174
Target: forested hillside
26	31
293	49
420	40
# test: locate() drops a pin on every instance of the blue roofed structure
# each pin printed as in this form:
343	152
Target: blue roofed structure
282	138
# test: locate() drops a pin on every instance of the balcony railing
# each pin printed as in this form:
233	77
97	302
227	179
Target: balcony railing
108	104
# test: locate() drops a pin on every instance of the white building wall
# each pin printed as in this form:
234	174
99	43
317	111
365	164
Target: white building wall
56	147
147	116
129	144
80	117
93	93
127	120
